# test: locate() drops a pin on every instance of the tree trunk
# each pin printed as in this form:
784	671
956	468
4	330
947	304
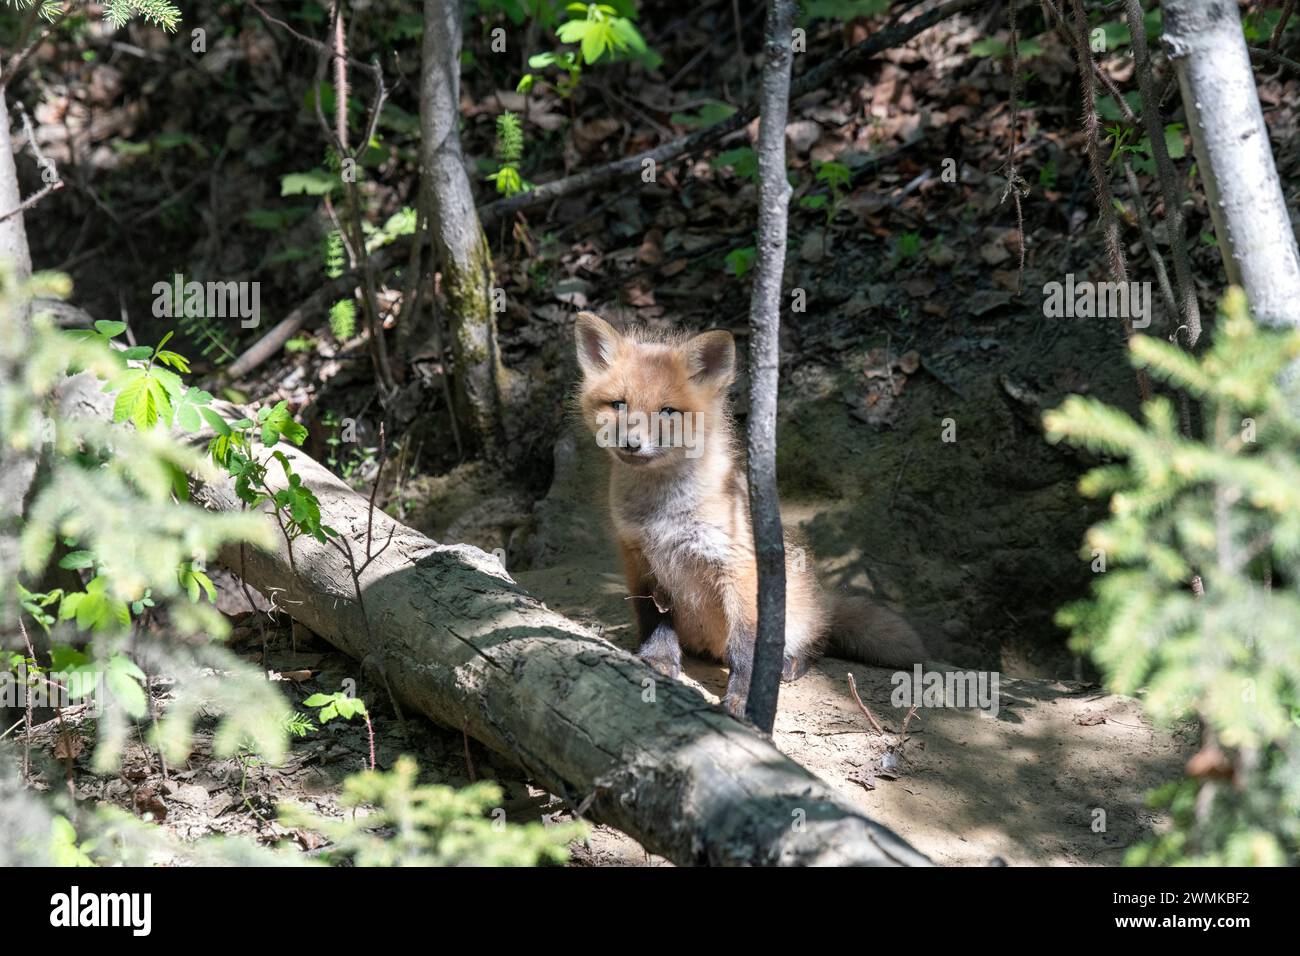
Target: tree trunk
461	643
13	234
1189	307
764	360
460	248
1204	39
17	465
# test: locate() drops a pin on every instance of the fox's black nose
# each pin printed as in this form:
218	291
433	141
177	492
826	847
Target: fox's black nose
633	440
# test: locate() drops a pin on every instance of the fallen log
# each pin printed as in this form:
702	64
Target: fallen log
457	640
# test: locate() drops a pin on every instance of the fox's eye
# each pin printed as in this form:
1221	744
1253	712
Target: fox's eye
618	404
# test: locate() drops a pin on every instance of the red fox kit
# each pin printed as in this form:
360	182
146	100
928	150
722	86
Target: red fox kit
680	506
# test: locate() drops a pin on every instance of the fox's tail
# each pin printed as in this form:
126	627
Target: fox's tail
862	630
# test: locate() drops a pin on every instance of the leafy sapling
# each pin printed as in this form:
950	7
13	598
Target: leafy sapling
740	261
837	178
1196	598
342	705
742	161
414	824
343	313
295	506
510	153
600	32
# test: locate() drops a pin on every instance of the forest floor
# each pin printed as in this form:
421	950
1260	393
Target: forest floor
918	323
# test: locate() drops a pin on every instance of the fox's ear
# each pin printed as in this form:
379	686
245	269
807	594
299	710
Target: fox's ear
597	341
712	357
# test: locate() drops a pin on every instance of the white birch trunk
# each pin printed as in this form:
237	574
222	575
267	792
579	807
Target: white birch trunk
13	234
1204	39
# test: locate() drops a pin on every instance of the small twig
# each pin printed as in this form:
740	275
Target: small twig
1171	192
21	57
907	720
42	163
315	44
374	491
1016	186
1281	25
469	761
853	687
1272	56
30	710
898	480
1148	239
1101	181
67	758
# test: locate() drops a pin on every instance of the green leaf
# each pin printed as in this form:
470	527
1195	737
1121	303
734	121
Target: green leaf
64	850
988	46
277	423
315	182
835	175
124	680
707	115
743	161
1174	141
174	359
135	402
214	419
740	261
187	409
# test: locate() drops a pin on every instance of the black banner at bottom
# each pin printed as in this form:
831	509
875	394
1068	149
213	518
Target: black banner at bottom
142	907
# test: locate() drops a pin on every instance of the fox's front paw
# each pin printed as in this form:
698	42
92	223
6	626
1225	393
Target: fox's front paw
662	652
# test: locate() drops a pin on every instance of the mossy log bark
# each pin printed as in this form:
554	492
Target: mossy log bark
460	642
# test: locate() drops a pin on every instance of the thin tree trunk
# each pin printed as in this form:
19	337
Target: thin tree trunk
1100	172
1170	190
17	466
1204	38
461	250
13	234
764	360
